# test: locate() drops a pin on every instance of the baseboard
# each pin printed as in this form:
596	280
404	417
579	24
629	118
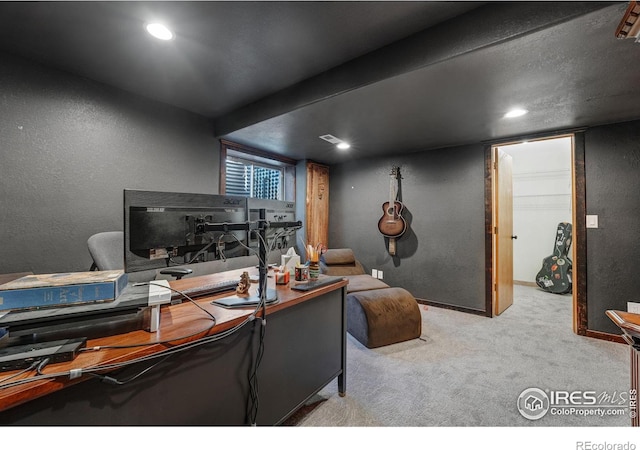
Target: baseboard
590	333
453	307
605	336
525	283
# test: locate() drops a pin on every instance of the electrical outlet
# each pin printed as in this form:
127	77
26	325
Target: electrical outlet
374	273
379	274
633	307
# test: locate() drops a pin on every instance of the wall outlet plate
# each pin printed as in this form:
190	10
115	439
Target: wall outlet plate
379	274
633	307
592	221
374	273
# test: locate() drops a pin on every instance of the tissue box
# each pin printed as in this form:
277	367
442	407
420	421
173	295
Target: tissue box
289	262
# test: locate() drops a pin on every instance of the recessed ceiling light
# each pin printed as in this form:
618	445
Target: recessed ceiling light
343	146
159	31
515	113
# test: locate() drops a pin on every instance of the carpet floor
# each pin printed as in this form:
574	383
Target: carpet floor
468	370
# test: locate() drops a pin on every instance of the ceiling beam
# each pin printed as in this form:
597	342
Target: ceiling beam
486	26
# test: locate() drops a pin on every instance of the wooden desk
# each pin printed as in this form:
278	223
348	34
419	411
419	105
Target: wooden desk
7	277
304	350
629	323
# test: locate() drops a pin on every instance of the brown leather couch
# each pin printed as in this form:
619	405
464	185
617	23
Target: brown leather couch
377	314
342	262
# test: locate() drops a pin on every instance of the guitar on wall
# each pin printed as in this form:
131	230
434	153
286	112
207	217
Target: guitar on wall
392	224
555	275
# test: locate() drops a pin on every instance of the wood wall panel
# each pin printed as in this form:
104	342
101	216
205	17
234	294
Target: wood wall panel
317	204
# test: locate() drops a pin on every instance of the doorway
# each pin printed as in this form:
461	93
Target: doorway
532	192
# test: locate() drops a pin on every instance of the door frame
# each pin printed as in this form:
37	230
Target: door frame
578	252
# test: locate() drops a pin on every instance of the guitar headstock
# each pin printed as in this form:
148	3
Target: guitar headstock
395	172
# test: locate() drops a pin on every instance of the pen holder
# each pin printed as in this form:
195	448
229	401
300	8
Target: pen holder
314	270
301	273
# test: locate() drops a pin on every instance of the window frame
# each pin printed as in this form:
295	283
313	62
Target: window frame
260	157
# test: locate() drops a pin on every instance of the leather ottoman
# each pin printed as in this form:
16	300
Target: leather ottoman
381	317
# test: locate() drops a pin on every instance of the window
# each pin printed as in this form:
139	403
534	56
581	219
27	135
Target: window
249	179
253	173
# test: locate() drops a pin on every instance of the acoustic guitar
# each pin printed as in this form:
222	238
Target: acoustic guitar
555	275
392	224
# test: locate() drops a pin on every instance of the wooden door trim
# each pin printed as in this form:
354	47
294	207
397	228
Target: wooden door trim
580	323
580	237
488	230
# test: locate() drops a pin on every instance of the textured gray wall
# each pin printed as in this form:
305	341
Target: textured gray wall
68	149
441	255
612	162
441	258
301	207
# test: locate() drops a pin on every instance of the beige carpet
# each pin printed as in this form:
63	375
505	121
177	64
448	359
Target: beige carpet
468	370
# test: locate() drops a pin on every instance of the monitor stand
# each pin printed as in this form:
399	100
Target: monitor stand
238	301
271	296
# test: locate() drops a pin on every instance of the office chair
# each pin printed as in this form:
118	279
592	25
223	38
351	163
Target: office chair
107	250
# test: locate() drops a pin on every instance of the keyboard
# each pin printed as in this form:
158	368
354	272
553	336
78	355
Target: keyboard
309	285
207	289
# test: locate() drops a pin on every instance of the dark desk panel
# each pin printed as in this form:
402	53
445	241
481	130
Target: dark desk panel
304	350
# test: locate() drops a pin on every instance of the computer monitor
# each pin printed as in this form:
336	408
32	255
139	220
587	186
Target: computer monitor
275	211
164	229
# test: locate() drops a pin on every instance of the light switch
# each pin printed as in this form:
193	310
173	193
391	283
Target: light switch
592	221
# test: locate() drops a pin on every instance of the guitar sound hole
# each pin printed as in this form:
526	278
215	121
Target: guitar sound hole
391	211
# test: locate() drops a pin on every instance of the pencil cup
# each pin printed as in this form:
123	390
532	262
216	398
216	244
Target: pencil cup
314	270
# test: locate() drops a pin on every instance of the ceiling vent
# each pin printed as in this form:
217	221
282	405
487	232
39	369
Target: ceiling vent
629	26
330	138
